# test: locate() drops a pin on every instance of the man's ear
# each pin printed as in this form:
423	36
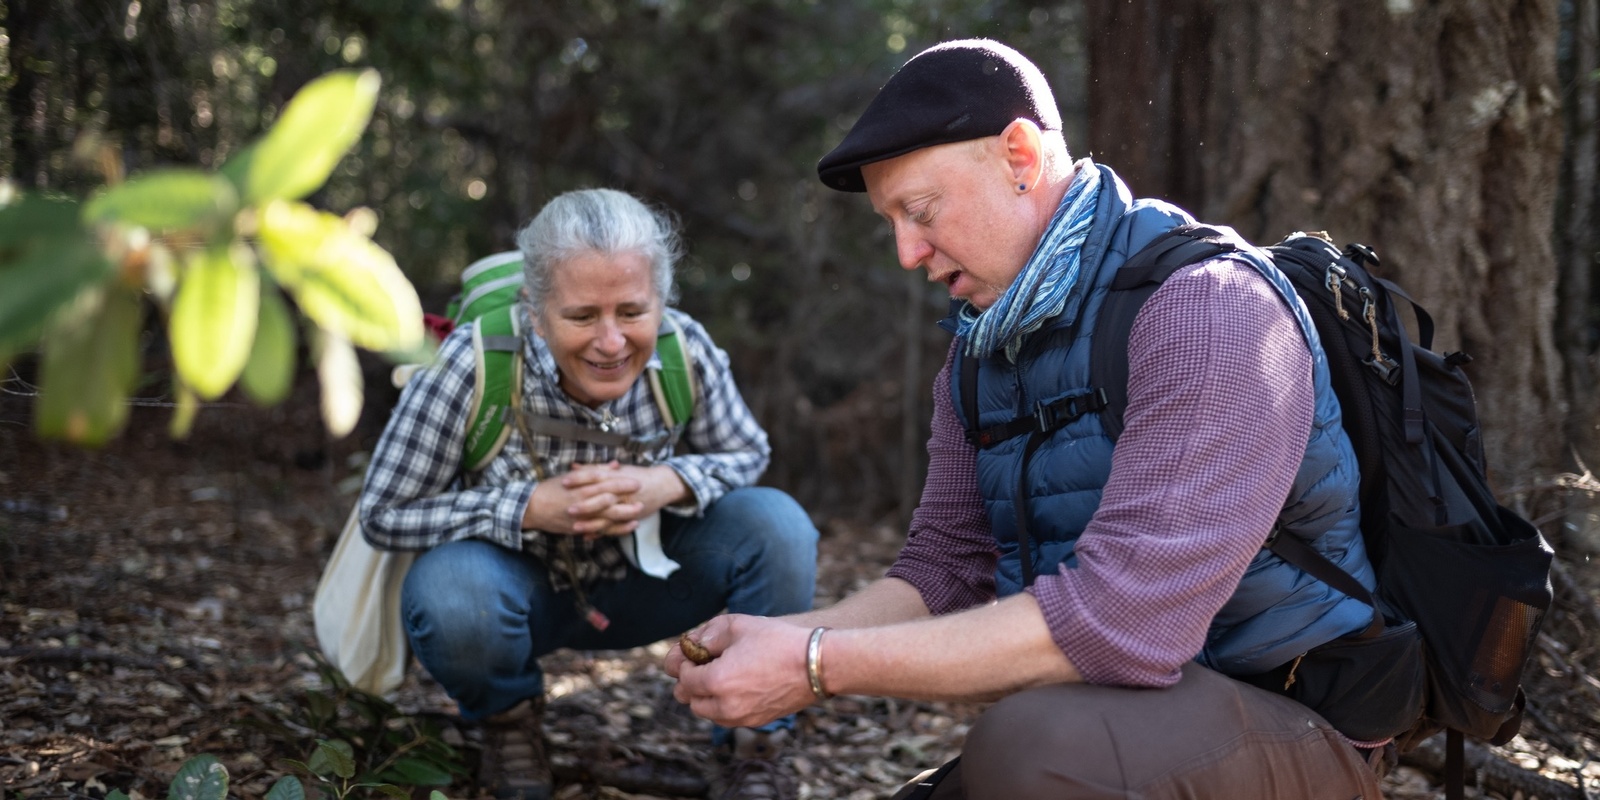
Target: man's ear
1023	151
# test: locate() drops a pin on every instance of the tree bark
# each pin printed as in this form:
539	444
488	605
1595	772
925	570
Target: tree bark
1575	219
1430	131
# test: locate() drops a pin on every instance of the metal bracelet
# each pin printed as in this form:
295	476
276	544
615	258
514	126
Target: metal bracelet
814	663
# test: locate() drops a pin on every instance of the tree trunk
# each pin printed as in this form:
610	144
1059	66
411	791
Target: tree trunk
1575	218
1430	131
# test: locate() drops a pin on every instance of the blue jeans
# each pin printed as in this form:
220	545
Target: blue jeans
479	616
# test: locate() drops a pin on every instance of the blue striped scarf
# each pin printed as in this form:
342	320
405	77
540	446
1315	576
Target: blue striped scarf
1040	290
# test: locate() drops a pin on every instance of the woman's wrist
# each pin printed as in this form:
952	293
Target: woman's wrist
539	514
668	487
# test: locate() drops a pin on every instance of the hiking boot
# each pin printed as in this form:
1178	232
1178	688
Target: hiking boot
752	768
514	766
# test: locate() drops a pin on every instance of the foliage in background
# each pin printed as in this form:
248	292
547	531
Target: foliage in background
717	111
217	252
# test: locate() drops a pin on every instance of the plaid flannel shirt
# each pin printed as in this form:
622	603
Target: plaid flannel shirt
416	496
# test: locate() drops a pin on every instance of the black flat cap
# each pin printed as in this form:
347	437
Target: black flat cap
951	92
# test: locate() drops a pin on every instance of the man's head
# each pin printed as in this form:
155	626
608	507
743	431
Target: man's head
961	151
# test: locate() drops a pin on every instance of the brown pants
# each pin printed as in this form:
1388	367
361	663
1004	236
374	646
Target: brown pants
1208	737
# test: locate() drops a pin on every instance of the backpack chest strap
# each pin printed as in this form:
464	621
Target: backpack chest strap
572	431
1045	419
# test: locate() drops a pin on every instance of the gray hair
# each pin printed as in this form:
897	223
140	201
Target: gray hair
603	221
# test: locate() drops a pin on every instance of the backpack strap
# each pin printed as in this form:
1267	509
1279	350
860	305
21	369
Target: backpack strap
1138	278
1300	554
497	370
575	431
968	383
674	385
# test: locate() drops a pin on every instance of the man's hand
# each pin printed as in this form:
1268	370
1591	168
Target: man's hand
757	672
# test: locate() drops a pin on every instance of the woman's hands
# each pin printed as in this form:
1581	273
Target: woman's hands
594	500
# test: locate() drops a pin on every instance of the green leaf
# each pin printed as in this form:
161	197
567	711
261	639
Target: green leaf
170	199
116	794
388	789
91	361
184	411
336	756
237	168
316	128
437	795
287	788
344	282
415	772
46	260
32	216
269	374
339	374
319	765
213	320
201	778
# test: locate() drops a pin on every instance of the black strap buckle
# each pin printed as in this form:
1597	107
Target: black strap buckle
1272	538
1053	415
1046	418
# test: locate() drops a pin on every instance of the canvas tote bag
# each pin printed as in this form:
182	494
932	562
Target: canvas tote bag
357	611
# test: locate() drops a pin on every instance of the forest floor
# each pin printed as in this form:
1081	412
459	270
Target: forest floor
155	604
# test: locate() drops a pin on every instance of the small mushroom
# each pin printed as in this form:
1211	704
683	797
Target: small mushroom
694	650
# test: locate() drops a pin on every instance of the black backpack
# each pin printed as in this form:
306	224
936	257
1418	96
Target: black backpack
1473	575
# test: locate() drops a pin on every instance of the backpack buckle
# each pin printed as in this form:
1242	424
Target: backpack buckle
1272	537
1362	254
1050	416
1384	366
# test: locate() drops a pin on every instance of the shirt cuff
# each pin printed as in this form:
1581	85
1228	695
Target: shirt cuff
508	513
700	487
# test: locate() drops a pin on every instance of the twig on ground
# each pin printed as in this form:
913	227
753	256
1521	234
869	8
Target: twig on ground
1580	597
1489	771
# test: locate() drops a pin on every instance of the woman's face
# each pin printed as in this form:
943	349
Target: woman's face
600	321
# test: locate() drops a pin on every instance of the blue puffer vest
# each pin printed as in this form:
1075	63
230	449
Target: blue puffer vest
1278	611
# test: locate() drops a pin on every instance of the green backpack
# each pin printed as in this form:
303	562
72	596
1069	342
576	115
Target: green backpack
488	299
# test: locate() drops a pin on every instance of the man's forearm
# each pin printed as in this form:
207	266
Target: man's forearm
883	602
981	654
